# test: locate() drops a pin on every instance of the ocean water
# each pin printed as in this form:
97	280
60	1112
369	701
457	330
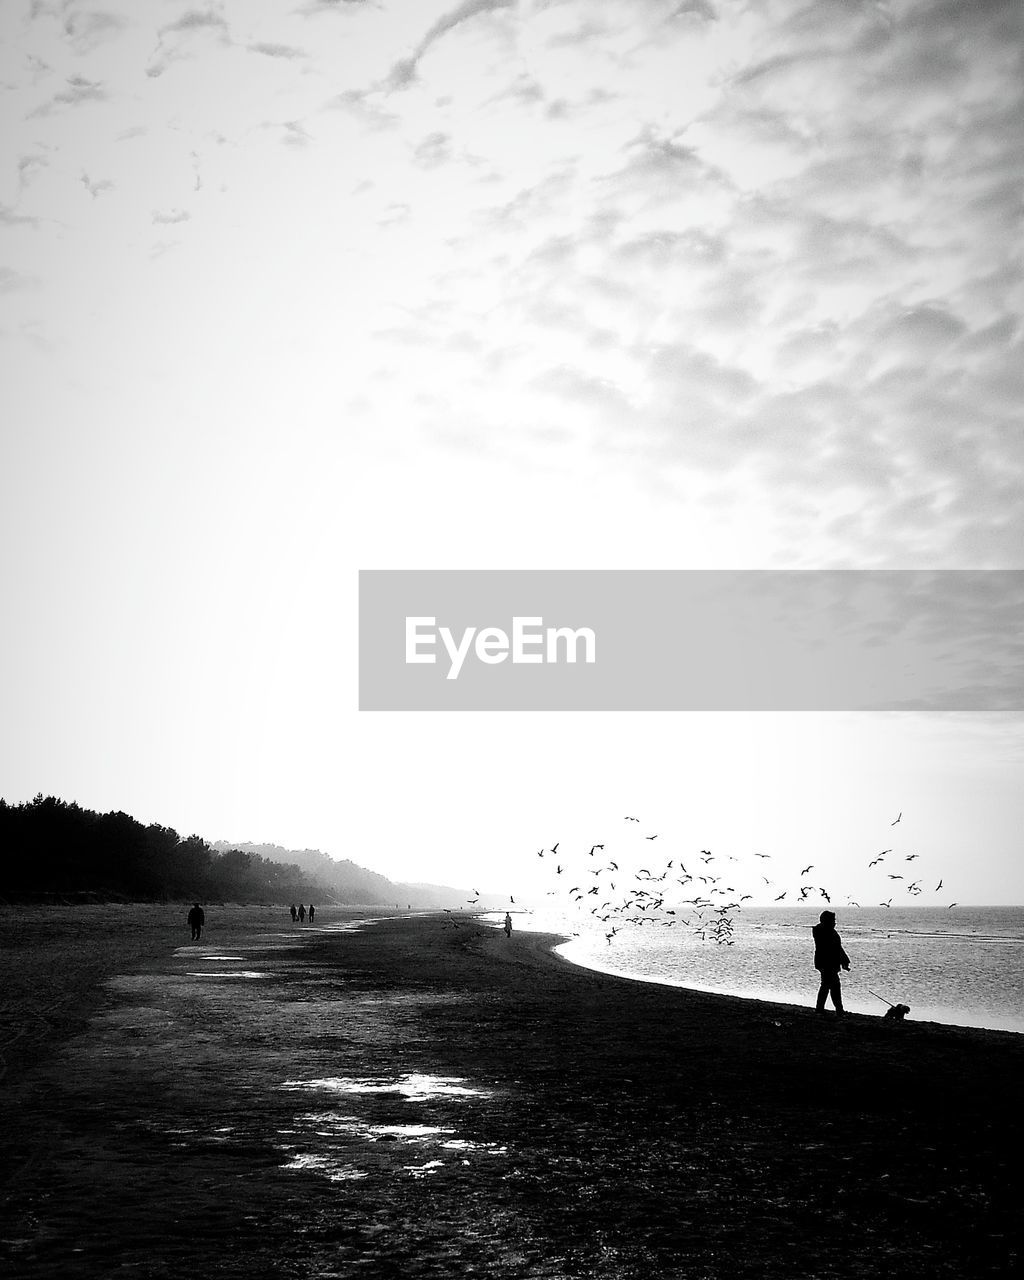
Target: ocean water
963	966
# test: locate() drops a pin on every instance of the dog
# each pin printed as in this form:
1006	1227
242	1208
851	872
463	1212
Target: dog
897	1012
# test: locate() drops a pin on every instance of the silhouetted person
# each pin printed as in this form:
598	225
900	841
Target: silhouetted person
196	920
312	912
829	958
508	925
295	913
302	913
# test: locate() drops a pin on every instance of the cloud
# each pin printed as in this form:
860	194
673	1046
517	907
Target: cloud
12	281
403	72
184	38
88	30
277	50
78	92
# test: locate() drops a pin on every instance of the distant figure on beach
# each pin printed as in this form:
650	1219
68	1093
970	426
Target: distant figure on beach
829	958
196	920
295	913
507	925
302	913
312	912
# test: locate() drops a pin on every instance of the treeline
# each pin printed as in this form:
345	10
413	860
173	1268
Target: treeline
56	849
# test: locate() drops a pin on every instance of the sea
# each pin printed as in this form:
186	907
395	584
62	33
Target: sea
962	966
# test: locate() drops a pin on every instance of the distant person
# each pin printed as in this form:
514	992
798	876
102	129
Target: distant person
829	958
295	913
302	913
508	925
196	920
312	912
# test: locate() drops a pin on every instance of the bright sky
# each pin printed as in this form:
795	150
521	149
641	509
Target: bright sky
287	291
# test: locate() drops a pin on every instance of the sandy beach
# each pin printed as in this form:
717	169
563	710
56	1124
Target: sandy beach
409	1098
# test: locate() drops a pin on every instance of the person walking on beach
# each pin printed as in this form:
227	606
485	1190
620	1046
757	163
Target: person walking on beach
295	913
302	913
312	912
829	958
507	926
196	920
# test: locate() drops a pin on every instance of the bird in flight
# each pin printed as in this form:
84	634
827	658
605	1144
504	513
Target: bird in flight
911	856
762	855
938	886
804	870
892	824
952	905
780	897
554	847
892	877
629	819
654	837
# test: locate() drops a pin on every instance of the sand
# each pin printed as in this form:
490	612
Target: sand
413	1099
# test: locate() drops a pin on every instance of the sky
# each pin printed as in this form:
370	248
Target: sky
293	290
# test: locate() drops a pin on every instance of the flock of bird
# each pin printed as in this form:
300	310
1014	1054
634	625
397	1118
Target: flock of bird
704	892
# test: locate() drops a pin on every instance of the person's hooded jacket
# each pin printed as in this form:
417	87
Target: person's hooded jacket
829	956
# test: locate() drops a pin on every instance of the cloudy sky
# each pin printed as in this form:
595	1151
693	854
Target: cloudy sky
293	289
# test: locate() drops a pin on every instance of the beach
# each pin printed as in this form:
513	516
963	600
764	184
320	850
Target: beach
414	1098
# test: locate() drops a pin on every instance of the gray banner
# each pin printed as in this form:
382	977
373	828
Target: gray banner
691	640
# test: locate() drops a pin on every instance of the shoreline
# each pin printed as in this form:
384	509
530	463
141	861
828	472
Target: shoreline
557	939
443	1102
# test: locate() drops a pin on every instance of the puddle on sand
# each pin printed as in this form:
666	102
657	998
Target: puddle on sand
340	1132
231	973
414	1088
329	1125
333	1170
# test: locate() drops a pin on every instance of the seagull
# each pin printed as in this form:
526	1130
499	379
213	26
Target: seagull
938	887
892	877
654	837
952	905
911	856
780	897
886	904
762	855
892	824
595	846
805	870
554	847
824	895
628	819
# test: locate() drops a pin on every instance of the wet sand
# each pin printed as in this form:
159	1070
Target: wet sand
413	1099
